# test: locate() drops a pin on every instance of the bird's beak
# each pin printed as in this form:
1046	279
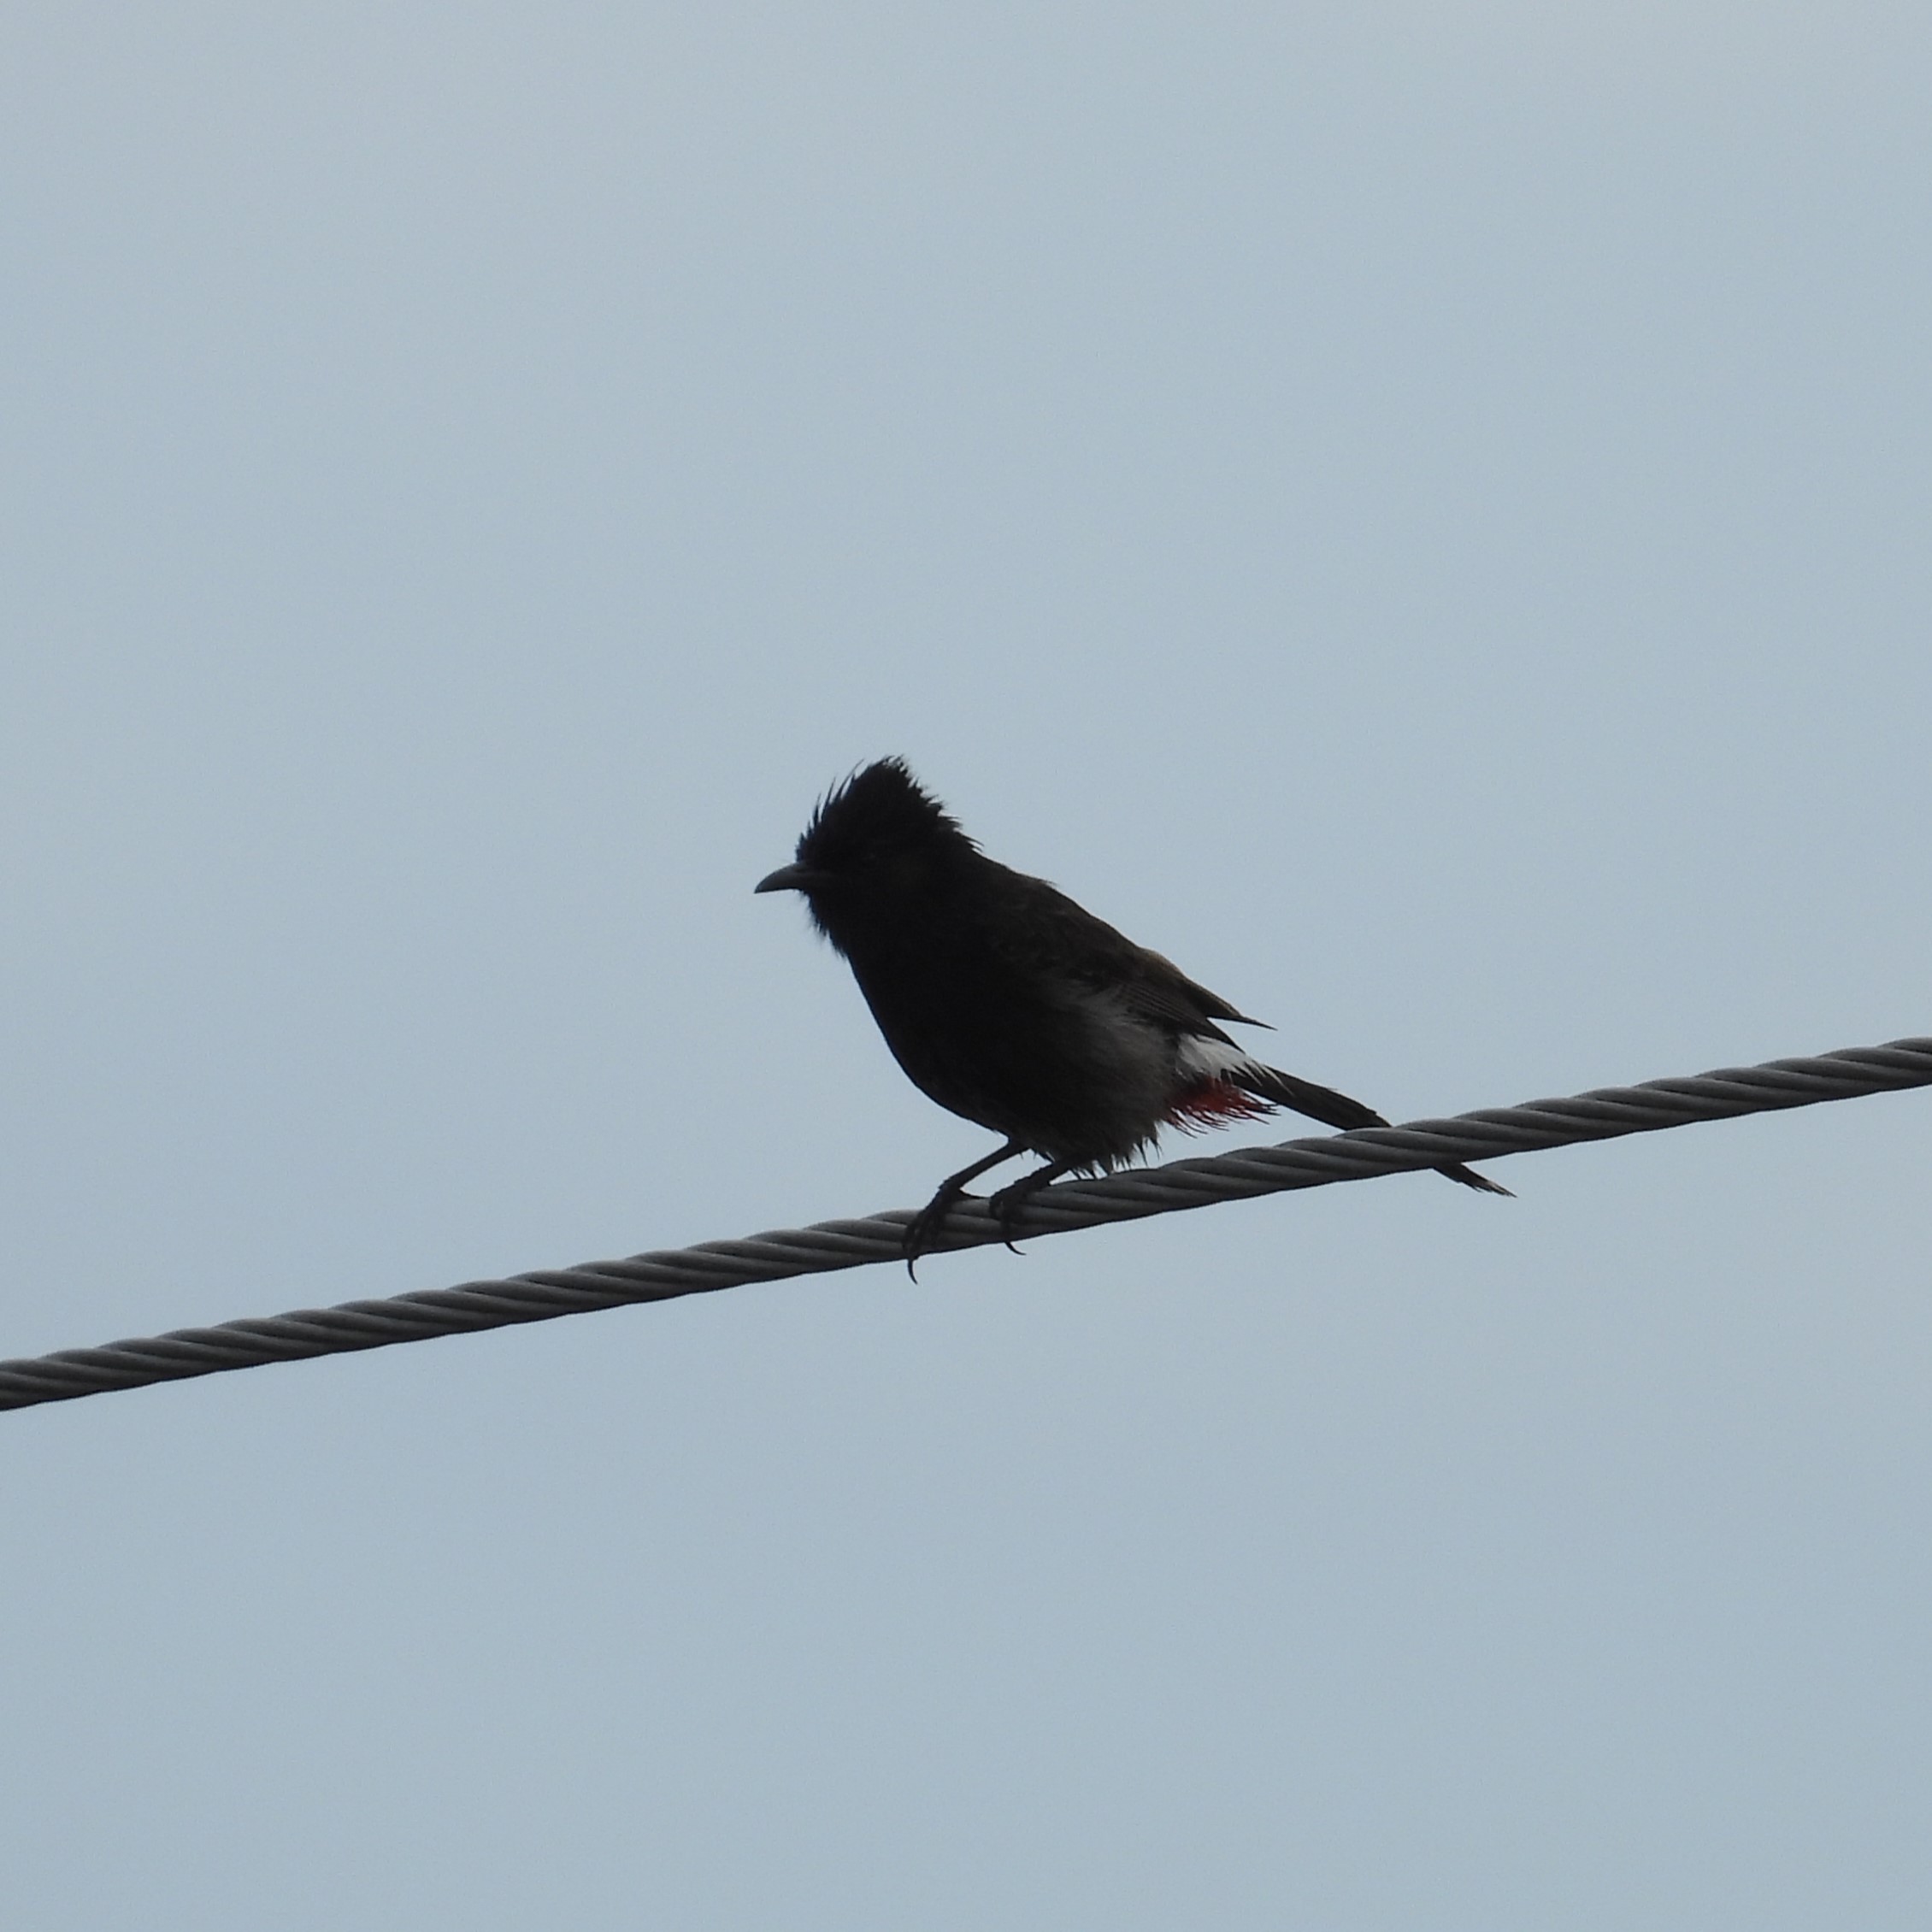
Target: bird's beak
788	878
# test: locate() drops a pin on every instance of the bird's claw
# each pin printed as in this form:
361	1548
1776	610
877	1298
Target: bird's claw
1006	1205
923	1229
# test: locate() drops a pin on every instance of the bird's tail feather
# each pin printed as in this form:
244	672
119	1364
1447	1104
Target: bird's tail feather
1338	1111
1305	1097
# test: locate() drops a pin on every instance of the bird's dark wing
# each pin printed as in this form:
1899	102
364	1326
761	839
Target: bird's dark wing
1058	936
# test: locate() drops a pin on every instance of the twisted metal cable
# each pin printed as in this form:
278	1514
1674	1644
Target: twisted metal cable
545	1294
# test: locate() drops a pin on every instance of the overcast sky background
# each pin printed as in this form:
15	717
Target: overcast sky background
1420	512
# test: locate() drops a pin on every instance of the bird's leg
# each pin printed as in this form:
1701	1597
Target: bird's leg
1008	1202
932	1218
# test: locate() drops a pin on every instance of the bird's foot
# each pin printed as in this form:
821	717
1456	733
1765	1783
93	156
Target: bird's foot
1008	1203
923	1229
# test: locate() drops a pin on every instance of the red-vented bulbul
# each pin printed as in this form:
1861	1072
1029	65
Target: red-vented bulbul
1010	1006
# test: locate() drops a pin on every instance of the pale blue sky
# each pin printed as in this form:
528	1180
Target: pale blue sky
1420	513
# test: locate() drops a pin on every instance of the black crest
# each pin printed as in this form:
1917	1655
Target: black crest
880	822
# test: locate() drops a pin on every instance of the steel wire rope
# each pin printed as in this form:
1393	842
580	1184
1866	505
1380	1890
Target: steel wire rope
542	1294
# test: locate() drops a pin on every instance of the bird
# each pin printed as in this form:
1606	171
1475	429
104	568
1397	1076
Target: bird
1012	1006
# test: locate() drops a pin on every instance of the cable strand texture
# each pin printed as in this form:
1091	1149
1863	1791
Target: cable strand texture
545	1294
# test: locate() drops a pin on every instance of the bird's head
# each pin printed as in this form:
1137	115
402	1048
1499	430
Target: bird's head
876	838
